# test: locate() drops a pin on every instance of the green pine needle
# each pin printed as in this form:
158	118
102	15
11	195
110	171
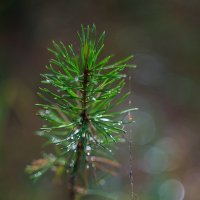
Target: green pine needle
80	96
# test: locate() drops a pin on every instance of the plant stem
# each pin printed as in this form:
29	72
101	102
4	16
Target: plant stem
80	149
80	146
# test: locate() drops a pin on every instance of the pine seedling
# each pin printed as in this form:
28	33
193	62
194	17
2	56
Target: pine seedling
80	109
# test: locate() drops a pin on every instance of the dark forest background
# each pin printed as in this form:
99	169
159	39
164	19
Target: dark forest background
164	36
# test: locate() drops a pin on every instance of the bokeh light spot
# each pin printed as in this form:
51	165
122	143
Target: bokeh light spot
171	189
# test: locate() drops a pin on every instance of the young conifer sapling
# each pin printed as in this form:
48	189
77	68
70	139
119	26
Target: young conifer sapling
80	101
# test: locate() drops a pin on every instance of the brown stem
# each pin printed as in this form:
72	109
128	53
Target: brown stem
80	146
79	150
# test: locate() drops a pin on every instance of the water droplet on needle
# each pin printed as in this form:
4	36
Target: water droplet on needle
130	117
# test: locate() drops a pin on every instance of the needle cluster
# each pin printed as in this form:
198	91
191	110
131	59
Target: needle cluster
80	101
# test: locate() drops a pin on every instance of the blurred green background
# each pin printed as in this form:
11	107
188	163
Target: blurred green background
164	36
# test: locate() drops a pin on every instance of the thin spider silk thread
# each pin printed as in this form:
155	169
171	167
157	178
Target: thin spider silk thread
129	137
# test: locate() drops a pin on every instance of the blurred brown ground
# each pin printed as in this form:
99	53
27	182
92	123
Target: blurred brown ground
164	36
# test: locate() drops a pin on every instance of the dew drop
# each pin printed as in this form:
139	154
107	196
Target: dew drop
105	119
71	164
91	139
130	117
120	123
76	78
76	131
95	137
92	158
42	114
88	148
73	146
47	112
